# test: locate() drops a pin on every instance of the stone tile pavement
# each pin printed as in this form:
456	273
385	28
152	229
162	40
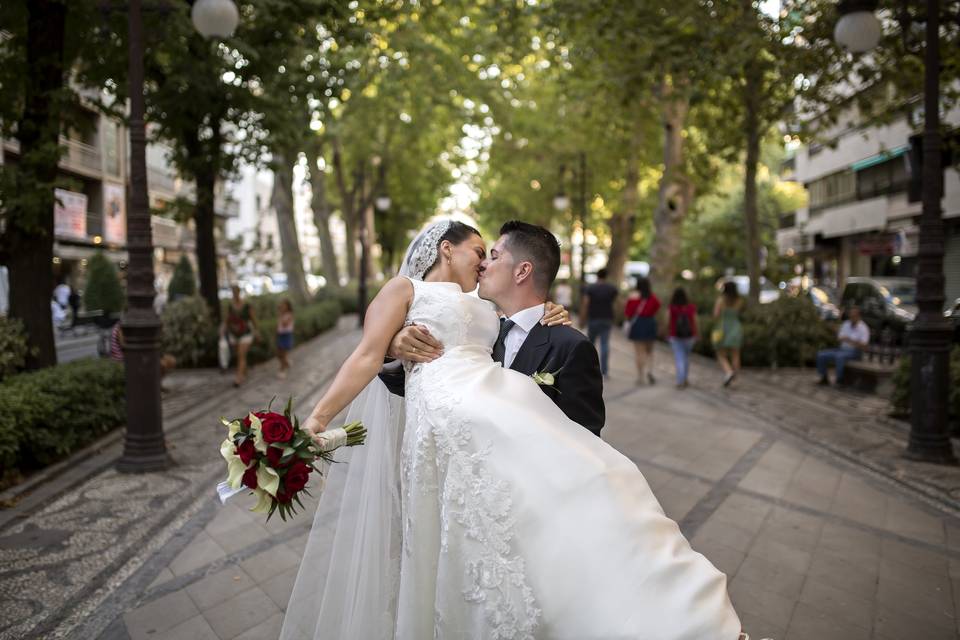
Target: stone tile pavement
821	537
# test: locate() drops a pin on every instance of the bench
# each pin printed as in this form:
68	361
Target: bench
873	373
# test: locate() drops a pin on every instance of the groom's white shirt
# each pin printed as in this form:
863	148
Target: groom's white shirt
524	320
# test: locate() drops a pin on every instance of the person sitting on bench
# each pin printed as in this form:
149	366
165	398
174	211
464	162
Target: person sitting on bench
854	336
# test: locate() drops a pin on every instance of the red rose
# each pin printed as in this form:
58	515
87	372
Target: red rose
250	478
297	477
283	496
276	427
247	451
273	457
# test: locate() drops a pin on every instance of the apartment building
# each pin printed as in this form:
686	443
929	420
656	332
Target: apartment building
92	190
860	219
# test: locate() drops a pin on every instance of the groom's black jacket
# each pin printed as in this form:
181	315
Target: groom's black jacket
564	352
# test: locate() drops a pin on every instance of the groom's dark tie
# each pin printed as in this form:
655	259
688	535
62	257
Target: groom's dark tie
499	348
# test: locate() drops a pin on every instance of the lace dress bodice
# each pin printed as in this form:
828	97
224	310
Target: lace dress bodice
455	318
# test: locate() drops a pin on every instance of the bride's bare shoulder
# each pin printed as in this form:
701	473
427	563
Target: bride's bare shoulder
397	288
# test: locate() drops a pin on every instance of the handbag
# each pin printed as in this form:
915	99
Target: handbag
716	336
223	352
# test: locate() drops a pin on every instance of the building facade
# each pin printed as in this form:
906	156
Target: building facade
92	199
860	219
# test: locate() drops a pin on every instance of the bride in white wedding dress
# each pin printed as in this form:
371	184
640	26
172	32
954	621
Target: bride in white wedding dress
486	513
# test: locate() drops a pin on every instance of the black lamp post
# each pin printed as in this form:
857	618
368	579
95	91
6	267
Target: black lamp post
929	340
144	448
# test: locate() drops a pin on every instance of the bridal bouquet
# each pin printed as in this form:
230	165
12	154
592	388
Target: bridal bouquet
268	454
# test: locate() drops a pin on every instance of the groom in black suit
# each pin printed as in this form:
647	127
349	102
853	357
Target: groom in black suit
517	276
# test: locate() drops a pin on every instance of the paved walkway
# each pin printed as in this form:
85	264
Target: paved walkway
797	493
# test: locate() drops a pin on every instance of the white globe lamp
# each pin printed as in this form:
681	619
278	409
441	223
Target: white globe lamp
215	18
857	30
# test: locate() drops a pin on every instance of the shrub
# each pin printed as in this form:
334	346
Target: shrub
349	295
47	414
309	321
183	283
786	332
103	291
13	347
900	399
189	333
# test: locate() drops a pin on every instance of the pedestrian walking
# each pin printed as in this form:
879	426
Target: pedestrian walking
727	334
239	328
61	296
284	336
683	333
641	314
596	313
854	336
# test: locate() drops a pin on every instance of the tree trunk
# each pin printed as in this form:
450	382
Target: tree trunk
282	201
347	211
622	220
676	191
29	234
321	218
206	246
752	126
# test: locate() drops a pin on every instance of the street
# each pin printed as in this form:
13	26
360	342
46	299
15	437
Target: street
795	492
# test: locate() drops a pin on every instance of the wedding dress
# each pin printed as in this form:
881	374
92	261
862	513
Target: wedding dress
519	523
514	522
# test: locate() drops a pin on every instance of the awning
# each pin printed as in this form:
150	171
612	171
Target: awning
880	158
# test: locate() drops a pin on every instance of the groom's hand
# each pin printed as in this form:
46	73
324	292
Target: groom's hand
415	344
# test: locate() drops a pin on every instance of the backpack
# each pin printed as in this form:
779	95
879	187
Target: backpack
682	327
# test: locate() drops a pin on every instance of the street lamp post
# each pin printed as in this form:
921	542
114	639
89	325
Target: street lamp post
859	30
144	448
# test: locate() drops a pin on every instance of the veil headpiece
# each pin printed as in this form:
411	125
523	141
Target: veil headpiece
422	252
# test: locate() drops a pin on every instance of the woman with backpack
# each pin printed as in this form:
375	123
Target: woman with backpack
240	329
683	333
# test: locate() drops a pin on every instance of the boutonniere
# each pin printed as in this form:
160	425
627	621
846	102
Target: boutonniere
546	379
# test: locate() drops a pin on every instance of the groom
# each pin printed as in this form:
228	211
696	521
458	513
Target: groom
517	276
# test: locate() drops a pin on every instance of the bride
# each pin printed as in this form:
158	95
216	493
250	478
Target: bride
484	513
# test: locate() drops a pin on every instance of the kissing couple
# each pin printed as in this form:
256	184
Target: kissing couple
483	504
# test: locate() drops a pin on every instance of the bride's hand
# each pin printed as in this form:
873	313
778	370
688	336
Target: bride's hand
313	426
555	314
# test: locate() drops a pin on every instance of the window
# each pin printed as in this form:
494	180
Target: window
884	178
836	188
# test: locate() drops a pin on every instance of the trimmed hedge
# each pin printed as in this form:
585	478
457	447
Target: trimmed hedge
309	322
47	414
104	291
786	333
13	347
189	333
900	400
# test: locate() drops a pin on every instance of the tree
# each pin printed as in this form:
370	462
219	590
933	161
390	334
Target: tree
103	291
39	42
183	284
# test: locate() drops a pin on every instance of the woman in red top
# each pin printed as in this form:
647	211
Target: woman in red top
683	333
641	312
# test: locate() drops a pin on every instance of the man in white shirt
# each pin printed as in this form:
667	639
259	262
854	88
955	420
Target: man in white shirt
854	336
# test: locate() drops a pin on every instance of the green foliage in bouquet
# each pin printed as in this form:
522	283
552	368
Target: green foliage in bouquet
183	283
189	333
268	453
103	291
13	347
47	414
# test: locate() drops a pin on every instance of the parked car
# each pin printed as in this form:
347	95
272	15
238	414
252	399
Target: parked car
825	300
888	305
768	292
953	312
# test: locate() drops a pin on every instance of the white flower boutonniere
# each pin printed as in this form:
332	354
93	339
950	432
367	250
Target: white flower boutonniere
543	378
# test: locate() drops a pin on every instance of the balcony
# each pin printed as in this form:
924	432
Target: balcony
76	156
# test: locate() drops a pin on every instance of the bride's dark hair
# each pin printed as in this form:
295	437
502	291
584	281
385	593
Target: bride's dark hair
456	233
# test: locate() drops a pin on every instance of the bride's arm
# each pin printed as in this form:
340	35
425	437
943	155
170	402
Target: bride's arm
385	317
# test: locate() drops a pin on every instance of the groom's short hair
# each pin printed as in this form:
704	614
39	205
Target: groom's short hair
535	244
